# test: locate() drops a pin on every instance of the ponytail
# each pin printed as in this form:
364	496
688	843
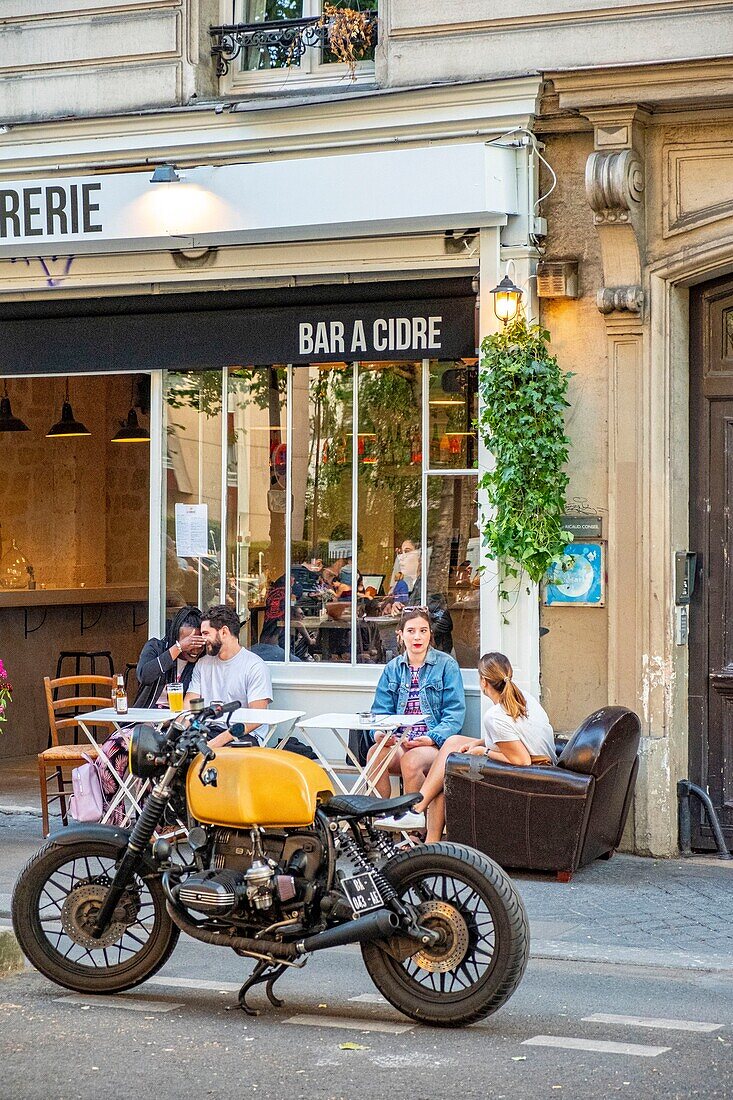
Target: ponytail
497	671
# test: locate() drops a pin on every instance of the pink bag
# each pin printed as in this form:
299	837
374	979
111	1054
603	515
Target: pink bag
87	802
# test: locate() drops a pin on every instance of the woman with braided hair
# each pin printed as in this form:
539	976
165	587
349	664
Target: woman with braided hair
516	730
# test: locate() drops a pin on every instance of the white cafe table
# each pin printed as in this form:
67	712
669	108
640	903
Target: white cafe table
130	788
336	722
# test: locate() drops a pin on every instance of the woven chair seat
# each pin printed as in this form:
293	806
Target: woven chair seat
67	754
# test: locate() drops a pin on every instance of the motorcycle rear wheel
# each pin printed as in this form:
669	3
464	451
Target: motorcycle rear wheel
54	903
485	937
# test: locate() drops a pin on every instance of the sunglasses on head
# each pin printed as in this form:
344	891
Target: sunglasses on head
425	610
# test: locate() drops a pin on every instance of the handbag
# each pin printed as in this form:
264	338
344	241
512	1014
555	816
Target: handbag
87	801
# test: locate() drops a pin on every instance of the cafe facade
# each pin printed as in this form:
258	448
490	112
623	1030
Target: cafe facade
234	343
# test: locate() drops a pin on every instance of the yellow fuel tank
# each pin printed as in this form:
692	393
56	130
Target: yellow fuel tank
266	787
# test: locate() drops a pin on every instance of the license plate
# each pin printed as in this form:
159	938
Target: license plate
362	892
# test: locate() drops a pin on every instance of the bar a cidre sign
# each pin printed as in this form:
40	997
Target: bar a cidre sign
430	329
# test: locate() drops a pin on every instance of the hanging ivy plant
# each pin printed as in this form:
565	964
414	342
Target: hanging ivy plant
524	397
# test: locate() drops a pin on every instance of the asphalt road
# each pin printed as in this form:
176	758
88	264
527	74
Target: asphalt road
181	1035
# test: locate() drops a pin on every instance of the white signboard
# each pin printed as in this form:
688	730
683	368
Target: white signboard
385	191
192	530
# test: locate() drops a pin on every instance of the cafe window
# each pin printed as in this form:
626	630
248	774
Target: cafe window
323	498
276	64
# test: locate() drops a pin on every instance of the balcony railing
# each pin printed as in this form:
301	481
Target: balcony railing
286	40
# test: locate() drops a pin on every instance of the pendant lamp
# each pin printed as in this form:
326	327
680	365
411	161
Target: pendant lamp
67	427
8	422
130	431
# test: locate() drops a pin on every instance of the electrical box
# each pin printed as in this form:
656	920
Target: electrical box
557	279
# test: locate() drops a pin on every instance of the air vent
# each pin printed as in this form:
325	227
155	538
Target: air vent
557	279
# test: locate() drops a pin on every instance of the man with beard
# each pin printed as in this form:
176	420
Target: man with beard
228	671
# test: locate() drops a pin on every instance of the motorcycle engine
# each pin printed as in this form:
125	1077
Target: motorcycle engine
241	878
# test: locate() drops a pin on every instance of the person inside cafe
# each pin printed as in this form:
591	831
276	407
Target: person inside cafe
170	659
228	671
515	730
420	680
268	647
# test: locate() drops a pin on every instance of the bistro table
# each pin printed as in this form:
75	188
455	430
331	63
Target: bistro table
131	788
337	722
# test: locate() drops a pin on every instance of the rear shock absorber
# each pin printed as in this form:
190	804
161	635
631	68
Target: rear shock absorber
351	849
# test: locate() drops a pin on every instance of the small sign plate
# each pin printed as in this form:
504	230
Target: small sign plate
362	893
583	527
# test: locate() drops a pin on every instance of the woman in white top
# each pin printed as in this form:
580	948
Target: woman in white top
516	730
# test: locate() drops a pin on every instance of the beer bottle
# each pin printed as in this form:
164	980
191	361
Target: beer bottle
119	695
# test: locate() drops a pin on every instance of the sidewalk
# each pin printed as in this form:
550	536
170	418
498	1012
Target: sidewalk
633	911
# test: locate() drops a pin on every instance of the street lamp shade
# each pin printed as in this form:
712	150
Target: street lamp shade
507	297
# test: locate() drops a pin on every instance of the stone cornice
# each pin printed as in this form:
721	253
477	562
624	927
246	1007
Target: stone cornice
661	85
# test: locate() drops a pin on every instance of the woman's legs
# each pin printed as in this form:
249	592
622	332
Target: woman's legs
415	765
435	819
433	785
375	759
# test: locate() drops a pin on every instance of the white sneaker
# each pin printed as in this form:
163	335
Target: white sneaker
407	821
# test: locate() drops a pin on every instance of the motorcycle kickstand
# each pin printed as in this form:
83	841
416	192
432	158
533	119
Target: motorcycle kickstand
264	972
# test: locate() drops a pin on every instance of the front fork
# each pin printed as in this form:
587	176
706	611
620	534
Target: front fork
141	836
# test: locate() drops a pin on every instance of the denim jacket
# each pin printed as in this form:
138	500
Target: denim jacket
442	698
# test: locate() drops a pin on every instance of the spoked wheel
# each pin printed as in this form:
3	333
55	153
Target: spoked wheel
55	903
483	948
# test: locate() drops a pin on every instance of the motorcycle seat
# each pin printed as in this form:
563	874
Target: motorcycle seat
358	806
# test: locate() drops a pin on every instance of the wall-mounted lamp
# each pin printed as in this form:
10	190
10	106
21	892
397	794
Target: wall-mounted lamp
165	173
507	297
67	427
8	422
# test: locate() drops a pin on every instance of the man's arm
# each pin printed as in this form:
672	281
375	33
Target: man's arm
225	736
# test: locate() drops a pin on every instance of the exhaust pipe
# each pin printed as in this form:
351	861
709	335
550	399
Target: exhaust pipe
373	926
246	945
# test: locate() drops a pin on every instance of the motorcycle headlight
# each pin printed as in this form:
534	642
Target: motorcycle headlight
146	754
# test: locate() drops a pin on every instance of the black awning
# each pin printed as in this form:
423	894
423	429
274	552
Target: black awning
367	321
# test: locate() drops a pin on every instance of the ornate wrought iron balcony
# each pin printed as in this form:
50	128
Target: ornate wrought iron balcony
286	40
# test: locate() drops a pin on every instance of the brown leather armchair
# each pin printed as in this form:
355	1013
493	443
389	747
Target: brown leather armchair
549	818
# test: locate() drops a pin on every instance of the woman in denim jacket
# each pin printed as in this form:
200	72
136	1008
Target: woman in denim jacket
421	680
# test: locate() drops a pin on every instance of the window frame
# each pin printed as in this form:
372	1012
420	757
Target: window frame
311	72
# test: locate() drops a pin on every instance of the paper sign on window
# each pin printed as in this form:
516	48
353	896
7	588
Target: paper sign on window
192	530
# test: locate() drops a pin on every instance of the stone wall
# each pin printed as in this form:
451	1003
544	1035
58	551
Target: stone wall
101	57
77	508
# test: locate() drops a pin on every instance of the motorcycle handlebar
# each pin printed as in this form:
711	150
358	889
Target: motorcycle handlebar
218	709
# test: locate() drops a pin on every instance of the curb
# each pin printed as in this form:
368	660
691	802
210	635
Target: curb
630	956
32	811
11	957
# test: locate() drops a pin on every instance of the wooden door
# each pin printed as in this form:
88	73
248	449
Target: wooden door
711	536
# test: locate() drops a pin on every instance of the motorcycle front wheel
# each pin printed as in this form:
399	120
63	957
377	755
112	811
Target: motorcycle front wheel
56	898
484	937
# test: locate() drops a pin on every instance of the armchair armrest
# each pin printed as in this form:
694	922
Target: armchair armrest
523	817
531	779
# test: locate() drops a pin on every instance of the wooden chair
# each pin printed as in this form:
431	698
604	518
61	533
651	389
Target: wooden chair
60	756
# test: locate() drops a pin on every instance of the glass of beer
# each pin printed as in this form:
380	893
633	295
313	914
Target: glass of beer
175	696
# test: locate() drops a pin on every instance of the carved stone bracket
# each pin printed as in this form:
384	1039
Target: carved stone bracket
624	299
614	184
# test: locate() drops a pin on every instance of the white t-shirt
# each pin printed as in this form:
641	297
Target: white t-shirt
245	677
534	731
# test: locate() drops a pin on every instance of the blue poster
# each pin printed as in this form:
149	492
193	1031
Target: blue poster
579	578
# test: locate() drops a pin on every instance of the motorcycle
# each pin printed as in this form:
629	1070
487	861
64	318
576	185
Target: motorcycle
275	866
